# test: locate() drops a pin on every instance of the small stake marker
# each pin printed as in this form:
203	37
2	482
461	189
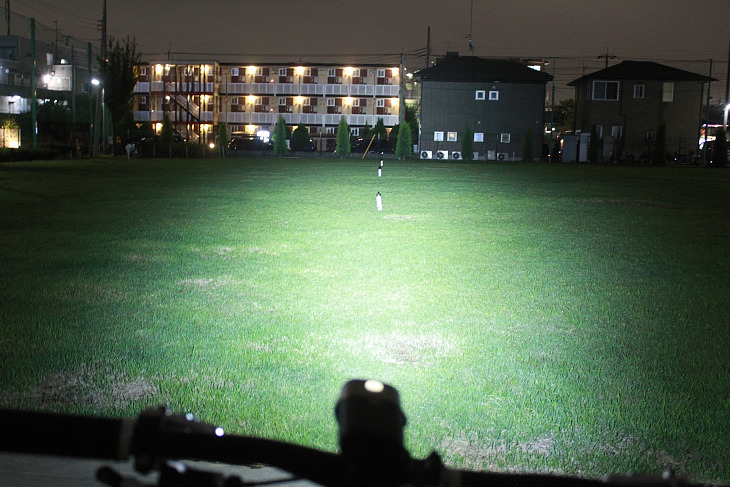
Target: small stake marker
379	201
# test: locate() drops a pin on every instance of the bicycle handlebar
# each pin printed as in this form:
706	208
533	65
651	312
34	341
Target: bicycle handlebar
371	440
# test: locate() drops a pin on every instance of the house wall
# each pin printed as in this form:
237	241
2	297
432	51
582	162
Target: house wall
450	106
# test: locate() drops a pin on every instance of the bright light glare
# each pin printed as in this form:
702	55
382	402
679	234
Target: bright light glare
219	431
374	386
95	82
211	145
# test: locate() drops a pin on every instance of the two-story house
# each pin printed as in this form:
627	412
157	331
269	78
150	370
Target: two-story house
628	102
500	101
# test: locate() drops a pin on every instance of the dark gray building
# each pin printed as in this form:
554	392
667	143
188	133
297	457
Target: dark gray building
500	101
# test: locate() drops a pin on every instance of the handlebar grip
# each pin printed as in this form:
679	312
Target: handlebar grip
65	435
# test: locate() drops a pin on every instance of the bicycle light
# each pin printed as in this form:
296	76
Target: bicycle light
369	414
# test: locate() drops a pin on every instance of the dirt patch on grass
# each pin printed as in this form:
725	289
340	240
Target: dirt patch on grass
83	388
419	349
632	203
400	218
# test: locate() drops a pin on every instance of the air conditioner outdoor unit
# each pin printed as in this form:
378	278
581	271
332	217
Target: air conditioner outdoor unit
456	155
425	154
442	154
491	155
503	156
475	156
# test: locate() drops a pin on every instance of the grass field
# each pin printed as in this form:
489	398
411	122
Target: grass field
534	317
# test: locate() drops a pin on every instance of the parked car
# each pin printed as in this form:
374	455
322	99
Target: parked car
379	145
249	142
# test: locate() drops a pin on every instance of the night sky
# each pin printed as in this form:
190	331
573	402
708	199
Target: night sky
681	33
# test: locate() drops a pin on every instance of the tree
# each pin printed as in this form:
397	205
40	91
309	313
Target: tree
528	153
300	138
279	137
404	146
222	139
342	148
563	115
467	144
719	149
167	135
593	145
119	76
659	154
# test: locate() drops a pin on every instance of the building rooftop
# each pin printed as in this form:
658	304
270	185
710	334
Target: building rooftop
472	68
642	70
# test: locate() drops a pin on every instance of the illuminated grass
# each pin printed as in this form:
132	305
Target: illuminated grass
534	317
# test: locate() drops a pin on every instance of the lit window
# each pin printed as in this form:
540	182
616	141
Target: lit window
493	95
452	137
438	136
639	91
504	138
605	90
668	92
478	137
480	95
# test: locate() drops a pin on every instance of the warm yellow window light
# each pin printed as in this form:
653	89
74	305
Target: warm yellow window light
250	128
348	71
348	100
251	99
158	68
251	70
300	70
394	101
205	68
158	127
300	100
204	98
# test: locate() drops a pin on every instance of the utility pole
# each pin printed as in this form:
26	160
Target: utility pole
707	116
103	32
428	48
607	56
401	93
34	100
552	116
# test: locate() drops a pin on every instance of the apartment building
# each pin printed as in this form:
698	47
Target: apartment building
198	96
